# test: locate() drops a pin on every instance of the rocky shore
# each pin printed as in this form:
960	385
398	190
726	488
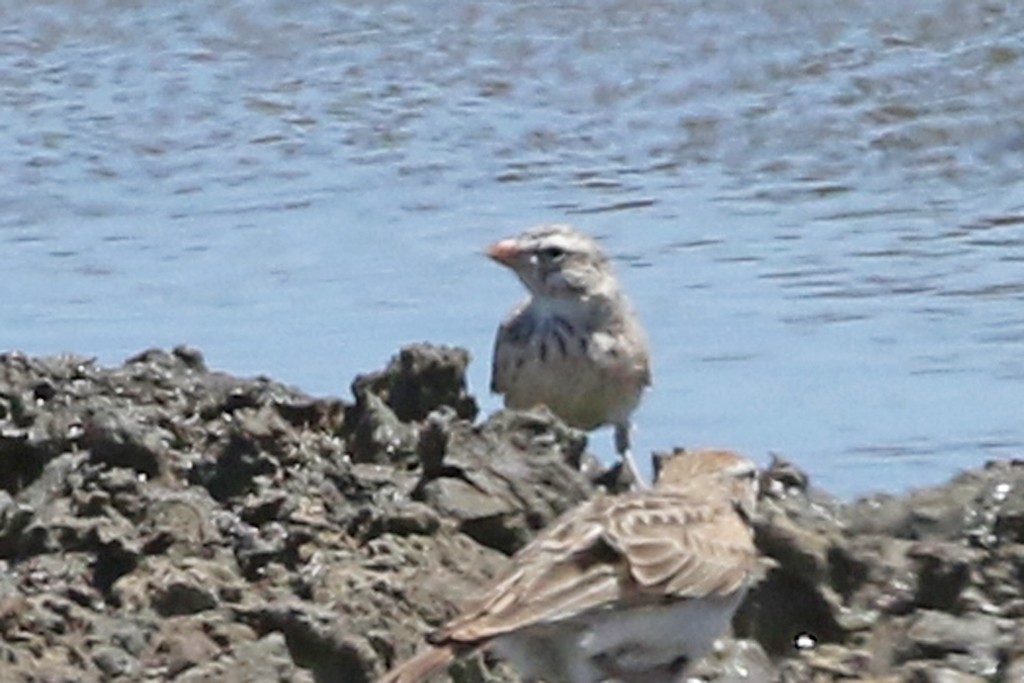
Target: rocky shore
163	522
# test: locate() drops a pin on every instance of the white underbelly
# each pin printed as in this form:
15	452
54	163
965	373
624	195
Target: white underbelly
642	643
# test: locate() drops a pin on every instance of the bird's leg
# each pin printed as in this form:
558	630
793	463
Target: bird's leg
622	446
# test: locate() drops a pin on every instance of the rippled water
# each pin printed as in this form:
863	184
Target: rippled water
817	205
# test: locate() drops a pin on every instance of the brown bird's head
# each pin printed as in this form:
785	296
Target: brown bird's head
709	468
556	261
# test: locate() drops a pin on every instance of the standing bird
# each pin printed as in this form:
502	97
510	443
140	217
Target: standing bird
574	344
630	588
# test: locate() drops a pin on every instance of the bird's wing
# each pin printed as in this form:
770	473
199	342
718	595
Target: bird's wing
631	549
567	570
623	355
684	544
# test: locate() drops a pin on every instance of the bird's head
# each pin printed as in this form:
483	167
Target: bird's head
708	468
556	261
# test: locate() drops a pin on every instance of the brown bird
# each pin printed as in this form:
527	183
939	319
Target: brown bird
629	588
574	344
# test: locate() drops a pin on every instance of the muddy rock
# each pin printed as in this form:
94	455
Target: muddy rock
160	521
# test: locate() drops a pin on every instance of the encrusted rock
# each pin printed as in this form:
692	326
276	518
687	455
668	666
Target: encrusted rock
160	521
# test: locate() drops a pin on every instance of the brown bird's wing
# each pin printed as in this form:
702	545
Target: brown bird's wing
421	667
567	570
625	549
684	544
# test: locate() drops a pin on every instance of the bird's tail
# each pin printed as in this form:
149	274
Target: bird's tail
421	667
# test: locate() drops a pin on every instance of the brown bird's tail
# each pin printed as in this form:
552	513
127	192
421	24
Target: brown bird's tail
421	667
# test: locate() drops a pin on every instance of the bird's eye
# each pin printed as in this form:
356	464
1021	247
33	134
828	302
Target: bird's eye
552	253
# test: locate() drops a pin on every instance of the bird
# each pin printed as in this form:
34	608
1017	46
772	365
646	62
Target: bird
629	588
574	344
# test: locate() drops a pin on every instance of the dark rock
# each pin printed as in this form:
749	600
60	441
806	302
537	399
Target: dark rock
114	662
160	521
267	660
936	634
507	478
191	357
927	673
318	640
968	507
183	643
786	607
783	477
1009	517
419	380
944	572
377	435
119	439
184	595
